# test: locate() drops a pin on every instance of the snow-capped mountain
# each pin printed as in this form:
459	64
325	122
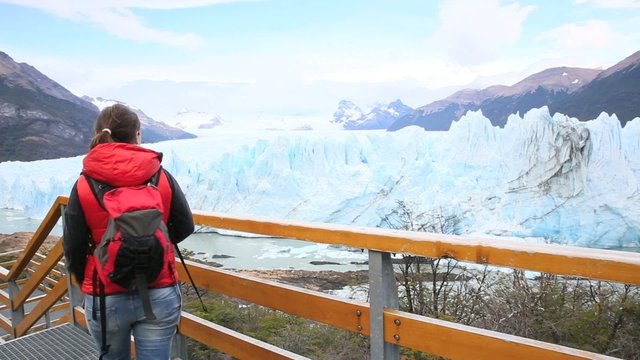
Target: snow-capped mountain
577	92
190	120
380	117
546	88
347	111
152	130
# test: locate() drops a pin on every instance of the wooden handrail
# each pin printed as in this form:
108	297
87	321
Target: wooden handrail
618	266
600	264
5	324
43	270
42	307
37	240
342	313
229	341
411	330
4	298
457	341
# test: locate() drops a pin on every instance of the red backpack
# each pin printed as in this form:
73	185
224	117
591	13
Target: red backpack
135	251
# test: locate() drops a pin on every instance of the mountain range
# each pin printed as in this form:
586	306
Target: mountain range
351	117
577	92
40	119
152	130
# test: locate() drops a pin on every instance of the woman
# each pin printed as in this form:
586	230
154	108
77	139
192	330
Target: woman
116	160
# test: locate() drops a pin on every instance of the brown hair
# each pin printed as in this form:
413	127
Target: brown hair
116	123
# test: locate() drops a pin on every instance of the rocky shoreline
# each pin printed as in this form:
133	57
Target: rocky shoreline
321	280
19	240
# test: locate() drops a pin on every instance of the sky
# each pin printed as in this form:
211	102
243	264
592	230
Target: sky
279	58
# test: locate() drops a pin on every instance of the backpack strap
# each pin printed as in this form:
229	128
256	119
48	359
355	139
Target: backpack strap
166	190
92	210
155	179
140	283
143	290
98	188
94	313
104	347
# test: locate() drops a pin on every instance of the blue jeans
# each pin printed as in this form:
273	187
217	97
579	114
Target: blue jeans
125	316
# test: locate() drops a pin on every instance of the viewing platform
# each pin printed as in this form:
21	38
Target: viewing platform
41	308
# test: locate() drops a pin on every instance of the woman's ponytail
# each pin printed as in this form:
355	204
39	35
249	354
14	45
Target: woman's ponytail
101	137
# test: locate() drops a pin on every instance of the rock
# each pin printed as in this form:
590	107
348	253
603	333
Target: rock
324	263
359	263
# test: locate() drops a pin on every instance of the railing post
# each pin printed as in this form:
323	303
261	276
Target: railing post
75	295
17	315
383	293
75	298
179	347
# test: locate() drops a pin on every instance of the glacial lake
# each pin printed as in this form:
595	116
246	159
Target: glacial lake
235	252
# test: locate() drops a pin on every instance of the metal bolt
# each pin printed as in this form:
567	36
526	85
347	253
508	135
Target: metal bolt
396	321
397	337
358	313
359	327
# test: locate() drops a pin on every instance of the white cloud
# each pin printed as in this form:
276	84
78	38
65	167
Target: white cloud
572	37
472	32
611	4
595	43
426	72
165	4
116	18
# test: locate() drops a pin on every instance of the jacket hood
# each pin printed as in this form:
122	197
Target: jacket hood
120	164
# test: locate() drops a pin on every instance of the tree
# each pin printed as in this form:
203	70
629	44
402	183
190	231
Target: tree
440	273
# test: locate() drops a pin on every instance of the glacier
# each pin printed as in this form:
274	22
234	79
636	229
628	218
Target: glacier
541	177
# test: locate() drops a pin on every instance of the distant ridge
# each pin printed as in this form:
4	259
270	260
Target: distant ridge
25	76
40	119
152	130
577	92
615	90
546	88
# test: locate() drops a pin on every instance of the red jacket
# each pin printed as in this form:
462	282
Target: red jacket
118	164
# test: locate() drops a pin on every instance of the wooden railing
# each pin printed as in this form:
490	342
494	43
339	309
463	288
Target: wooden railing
26	275
387	327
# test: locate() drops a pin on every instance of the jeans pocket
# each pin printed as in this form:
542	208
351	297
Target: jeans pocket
166	303
111	314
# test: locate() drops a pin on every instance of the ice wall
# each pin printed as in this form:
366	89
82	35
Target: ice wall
540	176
